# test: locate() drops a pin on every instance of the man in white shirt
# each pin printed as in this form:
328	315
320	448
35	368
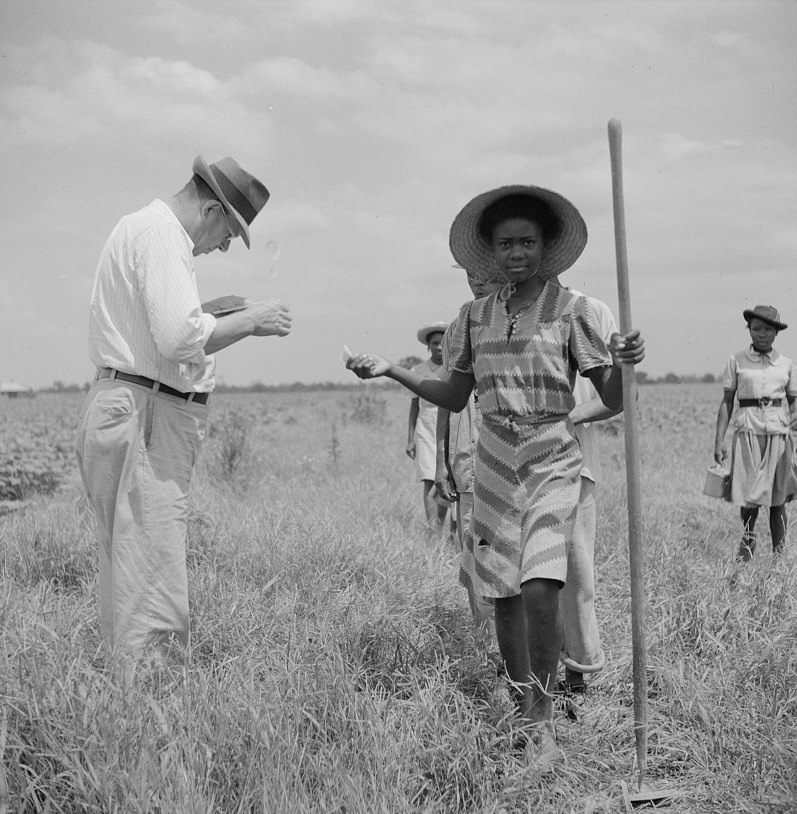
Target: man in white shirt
145	416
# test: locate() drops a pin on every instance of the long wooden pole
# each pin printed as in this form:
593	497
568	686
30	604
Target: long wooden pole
635	537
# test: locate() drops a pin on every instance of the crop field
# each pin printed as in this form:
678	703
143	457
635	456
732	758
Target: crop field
333	665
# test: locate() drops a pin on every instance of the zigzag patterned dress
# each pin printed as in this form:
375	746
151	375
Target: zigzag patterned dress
528	460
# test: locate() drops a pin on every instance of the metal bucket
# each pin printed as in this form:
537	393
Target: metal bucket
718	481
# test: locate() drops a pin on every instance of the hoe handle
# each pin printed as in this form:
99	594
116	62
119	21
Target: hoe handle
635	537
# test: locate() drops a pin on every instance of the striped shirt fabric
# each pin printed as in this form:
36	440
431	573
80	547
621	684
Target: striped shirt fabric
146	316
525	365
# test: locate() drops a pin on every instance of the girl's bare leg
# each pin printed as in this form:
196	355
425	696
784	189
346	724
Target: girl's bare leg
435	514
529	633
510	631
544	633
778	523
747	545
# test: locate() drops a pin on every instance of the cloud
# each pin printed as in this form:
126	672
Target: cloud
86	90
738	42
373	124
676	146
211	23
298	83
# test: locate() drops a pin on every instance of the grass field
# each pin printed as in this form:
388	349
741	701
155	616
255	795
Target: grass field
333	666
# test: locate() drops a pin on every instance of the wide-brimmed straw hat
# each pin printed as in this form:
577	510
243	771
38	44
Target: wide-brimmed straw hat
431	328
240	193
766	313
474	254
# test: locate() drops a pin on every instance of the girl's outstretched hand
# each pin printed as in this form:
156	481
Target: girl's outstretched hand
368	365
628	349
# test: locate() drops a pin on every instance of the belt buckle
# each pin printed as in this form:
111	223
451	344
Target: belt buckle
764	401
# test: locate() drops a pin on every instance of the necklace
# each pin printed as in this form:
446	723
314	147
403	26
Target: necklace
512	318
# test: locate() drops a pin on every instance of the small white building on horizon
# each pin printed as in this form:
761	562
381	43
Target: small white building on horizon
14	389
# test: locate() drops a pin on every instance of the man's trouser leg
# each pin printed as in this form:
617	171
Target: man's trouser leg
136	452
581	648
482	607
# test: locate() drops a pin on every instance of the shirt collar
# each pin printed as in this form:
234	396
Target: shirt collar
754	356
166	209
506	291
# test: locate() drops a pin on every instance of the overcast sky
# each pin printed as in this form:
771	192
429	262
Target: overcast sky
373	122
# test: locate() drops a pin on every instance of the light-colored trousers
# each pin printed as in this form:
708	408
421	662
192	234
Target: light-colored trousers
136	451
482	607
581	645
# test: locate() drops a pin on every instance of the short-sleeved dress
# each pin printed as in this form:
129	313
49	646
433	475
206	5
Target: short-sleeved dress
426	426
527	483
762	467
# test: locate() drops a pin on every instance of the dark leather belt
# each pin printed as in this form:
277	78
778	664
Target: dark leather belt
762	402
151	384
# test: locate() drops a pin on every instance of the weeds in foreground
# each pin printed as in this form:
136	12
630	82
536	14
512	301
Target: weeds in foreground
333	666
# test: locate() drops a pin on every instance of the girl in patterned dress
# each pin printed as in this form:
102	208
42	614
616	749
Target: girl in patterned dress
761	463
520	347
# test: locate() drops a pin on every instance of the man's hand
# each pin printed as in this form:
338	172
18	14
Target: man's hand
271	318
410	449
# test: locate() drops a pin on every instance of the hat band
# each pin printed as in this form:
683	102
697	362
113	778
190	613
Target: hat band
234	196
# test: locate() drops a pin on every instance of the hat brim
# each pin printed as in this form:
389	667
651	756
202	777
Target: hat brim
475	255
424	333
748	315
202	169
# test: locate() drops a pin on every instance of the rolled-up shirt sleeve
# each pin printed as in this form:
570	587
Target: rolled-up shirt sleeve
587	339
791	385
729	380
168	287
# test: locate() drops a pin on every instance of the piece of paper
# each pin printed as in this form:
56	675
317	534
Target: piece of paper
347	354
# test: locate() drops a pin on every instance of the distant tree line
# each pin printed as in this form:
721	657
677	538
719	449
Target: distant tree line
674	378
410	361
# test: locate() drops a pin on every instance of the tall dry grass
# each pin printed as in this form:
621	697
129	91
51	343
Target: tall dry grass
333	666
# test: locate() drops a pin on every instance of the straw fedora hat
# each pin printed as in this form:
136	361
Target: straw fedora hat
766	313
474	254
430	328
240	193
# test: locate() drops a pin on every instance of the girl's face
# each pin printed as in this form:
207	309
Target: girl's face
518	247
762	334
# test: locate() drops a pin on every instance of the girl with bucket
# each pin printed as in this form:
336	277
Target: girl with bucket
520	348
762	473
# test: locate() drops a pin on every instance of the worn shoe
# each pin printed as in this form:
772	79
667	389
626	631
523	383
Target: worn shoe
569	697
564	687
